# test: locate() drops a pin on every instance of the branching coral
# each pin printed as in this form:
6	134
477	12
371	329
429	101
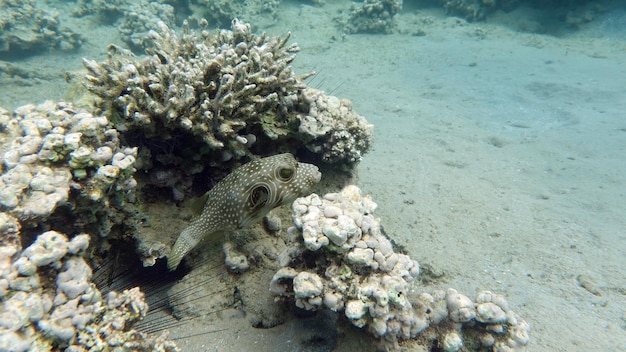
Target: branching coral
221	96
211	85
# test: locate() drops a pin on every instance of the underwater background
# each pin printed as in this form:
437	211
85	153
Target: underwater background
496	160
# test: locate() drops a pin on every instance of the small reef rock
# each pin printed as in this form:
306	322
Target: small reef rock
49	301
472	10
340	259
371	16
25	27
221	12
140	18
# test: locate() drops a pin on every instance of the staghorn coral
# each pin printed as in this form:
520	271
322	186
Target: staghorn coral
209	85
351	267
213	98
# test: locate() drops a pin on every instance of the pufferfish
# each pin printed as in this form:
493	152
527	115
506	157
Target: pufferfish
244	197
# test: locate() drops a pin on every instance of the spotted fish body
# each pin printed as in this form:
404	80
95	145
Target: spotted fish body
244	197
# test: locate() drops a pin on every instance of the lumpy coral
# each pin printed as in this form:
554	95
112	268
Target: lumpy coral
49	301
59	159
352	267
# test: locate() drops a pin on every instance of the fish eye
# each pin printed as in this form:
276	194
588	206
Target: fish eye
259	196
285	173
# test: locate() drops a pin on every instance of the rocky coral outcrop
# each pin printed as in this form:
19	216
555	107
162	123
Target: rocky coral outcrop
24	27
353	268
49	302
55	155
214	99
371	16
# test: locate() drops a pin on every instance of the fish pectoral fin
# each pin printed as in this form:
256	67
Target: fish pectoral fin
196	204
186	241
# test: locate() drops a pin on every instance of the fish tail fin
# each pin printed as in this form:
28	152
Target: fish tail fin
184	244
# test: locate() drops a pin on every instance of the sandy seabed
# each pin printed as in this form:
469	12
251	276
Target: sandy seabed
499	161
